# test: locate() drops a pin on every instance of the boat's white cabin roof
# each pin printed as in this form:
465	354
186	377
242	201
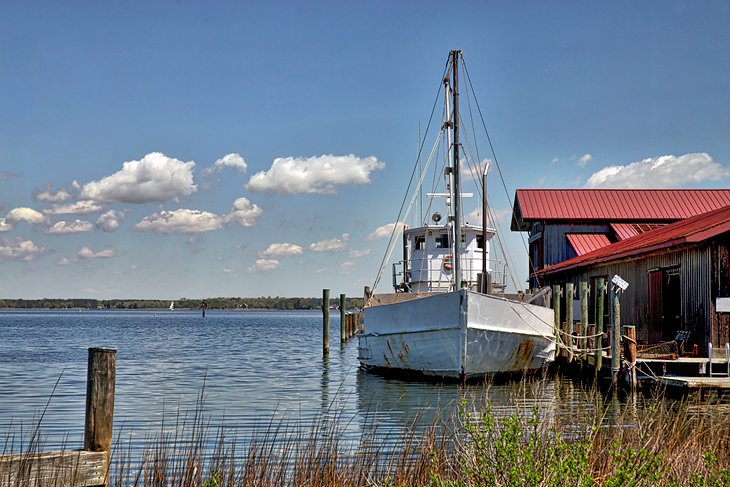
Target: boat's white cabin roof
466	228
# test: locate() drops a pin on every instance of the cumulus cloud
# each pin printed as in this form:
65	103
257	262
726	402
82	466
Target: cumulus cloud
5	226
354	253
25	214
233	160
180	221
346	267
385	231
48	196
154	178
83	207
67	261
244	213
279	250
331	245
19	249
87	253
661	172
314	175
583	160
264	265
65	228
109	220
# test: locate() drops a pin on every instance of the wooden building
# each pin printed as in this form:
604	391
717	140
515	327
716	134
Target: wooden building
678	274
566	223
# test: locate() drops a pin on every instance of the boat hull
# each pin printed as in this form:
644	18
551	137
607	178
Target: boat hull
457	335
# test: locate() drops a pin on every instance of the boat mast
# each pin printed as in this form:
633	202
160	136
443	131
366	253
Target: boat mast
456	188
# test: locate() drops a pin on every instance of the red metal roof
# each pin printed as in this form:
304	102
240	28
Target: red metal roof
628	230
583	243
691	230
617	205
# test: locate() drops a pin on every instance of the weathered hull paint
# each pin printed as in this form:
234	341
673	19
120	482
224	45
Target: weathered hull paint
457	335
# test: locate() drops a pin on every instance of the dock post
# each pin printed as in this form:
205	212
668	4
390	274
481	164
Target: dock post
569	318
630	353
583	342
344	331
600	296
615	336
555	301
100	383
325	323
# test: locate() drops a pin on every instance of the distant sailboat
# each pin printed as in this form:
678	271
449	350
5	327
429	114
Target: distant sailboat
172	306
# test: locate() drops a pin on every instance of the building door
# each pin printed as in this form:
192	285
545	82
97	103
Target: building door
665	305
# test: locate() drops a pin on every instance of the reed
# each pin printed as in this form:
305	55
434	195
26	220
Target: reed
617	443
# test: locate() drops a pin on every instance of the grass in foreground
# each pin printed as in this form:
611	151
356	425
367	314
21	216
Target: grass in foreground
667	444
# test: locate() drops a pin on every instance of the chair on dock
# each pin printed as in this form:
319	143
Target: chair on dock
723	354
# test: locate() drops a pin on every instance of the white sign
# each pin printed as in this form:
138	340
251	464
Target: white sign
722	305
620	282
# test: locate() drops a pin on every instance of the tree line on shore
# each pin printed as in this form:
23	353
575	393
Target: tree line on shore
277	303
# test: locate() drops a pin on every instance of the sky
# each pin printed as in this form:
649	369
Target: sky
162	150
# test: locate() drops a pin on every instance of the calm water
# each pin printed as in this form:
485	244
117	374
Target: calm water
252	367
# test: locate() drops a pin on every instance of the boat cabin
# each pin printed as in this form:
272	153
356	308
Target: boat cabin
428	263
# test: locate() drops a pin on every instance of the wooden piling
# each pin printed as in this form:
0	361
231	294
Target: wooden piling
615	335
344	332
100	383
569	319
583	290
555	301
630	353
325	323
600	290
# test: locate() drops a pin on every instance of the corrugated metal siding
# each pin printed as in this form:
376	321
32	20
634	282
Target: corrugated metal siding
695	288
555	245
618	204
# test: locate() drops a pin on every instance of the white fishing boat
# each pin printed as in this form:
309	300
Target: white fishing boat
438	322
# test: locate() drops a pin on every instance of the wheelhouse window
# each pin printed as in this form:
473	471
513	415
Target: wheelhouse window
442	241
420	242
480	242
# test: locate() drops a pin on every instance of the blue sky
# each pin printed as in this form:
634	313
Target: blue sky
113	115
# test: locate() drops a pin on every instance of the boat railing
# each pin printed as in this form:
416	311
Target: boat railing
439	278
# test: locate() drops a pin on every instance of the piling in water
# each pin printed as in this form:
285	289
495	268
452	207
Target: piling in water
325	323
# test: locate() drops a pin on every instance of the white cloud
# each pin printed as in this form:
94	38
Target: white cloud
280	250
64	228
5	226
385	231
346	267
583	160
264	265
233	160
83	207
316	175
67	261
49	196
154	178
110	220
228	270
243	213
87	253
555	160
331	245
19	249
661	172
25	214
354	253
180	221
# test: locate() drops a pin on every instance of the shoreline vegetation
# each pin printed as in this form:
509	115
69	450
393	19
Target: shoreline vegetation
616	443
260	303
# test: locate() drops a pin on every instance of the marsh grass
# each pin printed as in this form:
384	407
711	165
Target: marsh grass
615	443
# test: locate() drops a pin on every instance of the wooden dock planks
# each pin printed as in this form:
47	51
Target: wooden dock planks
68	468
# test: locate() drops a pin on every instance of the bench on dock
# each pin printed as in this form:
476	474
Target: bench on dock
74	468
720	356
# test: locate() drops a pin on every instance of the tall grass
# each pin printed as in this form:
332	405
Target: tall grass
616	443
